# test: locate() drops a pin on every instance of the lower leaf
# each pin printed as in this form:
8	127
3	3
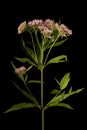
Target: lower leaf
20	106
61	105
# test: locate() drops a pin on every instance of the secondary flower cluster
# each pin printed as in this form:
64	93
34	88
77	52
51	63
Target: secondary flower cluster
20	69
46	27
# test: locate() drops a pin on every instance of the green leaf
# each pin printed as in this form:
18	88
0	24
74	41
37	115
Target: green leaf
34	81
72	93
26	94
20	106
40	55
29	68
54	91
58	82
64	81
31	54
60	42
61	97
21	77
61	105
22	42
58	59
55	99
14	67
57	43
26	77
70	90
24	60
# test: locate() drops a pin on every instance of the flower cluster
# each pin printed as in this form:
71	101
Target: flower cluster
47	27
20	69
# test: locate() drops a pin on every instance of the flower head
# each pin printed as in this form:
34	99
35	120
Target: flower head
46	27
20	69
35	22
22	27
64	30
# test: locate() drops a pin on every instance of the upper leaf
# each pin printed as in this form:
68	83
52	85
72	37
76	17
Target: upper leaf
54	91
61	105
58	59
57	43
64	81
24	60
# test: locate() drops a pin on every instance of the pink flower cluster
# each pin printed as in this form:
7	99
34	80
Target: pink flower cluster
22	27
64	31
20	69
46	27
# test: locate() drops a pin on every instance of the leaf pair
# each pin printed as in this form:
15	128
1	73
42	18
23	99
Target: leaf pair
24	105
62	84
57	100
60	95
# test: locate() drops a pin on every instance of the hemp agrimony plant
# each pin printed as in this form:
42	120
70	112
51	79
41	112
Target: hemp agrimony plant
38	38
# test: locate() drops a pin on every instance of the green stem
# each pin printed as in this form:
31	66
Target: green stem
42	119
42	99
33	45
50	49
42	88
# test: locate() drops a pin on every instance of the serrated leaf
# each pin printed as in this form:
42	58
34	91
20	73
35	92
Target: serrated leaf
31	54
20	106
70	94
60	42
24	60
61	97
55	99
57	43
58	59
61	105
64	81
25	93
54	91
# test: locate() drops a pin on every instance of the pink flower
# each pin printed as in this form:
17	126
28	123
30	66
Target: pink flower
22	27
64	30
35	22
20	69
48	26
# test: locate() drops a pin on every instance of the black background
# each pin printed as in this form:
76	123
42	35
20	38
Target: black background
74	16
